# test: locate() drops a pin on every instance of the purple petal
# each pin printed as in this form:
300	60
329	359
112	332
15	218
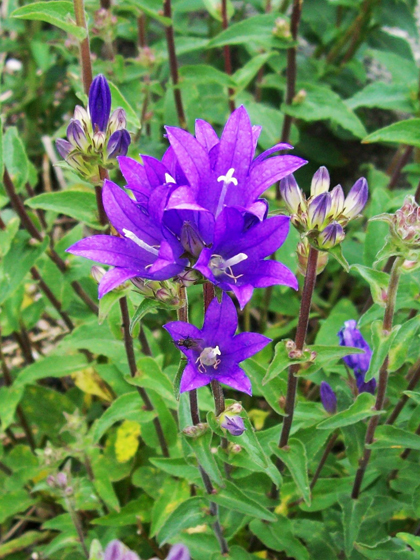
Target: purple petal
237	379
277	148
178	552
114	550
193	379
99	102
156	172
205	134
118	144
245	345
272	273
268	172
256	131
114	251
221	320
191	155
243	293
113	278
168	264
236	145
135	175
328	398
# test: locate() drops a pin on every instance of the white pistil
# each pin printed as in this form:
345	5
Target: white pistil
169	178
235	260
130	235
220	266
208	357
227	180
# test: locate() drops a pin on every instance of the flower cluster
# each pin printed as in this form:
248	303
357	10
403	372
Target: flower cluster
323	216
95	136
359	363
214	352
197	211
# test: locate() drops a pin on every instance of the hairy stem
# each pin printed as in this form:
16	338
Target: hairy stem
173	64
49	294
84	46
78	526
383	378
302	328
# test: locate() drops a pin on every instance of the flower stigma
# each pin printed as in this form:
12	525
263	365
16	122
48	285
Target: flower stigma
208	357
227	180
220	266
130	235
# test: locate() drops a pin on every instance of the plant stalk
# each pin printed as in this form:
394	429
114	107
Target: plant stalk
84	46
414	379
383	378
227	57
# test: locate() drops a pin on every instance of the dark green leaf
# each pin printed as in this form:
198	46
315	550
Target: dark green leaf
403	132
232	497
80	205
362	408
295	459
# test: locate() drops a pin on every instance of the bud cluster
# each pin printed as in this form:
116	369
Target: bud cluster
323	216
60	482
405	224
95	136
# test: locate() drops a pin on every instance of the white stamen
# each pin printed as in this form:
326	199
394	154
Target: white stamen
235	260
219	266
169	178
227	180
140	243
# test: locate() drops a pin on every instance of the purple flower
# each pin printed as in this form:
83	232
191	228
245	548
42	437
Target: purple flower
320	181
178	552
99	103
328	398
291	194
331	235
234	425
118	144
214	352
76	135
318	210
236	259
116	550
359	363
356	199
63	147
140	251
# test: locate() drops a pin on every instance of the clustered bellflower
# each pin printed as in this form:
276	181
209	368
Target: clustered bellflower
350	335
94	135
197	213
328	398
215	351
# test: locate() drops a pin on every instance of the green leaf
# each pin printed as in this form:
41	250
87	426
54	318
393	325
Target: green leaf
401	344
362	408
383	95
25	541
80	205
21	257
295	459
354	512
12	503
51	366
232	497
150	376
256	29
9	399
106	303
247	73
411	540
235	553
322	103
381	344
15	158
378	282
271	391
128	515
393	549
188	514
395	438
205	74
279	536
103	484
200	445
214	9
145	307
126	407
60	14
151	8
118	100
7	235
177	467
172	494
337	253
282	361
403	132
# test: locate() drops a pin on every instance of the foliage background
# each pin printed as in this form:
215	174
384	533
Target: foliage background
357	72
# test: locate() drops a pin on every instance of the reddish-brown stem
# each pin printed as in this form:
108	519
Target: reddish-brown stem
141	29
85	61
173	64
383	379
103	219
38	211
414	379
401	163
25	345
49	294
226	55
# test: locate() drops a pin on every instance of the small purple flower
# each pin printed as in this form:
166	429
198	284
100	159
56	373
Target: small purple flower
76	135
359	363
319	209
63	147
99	103
291	194
214	352
178	552
331	236
234	425
356	199
328	398
116	550
118	144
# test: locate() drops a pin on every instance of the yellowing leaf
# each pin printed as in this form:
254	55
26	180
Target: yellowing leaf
89	382
258	417
127	440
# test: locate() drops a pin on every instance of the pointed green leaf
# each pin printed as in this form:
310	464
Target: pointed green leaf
381	344
362	408
279	536
378	282
395	438
353	512
282	361
188	514
15	158
150	376
201	446
295	459
232	497
80	205
402	342
145	307
403	132
337	253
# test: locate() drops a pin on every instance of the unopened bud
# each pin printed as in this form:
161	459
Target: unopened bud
118	144
81	115
188	278
98	141
319	208
99	103
299	97
235	448
331	236
195	431
234	425
63	147
97	273
337	201
295	354
291	194
235	408
117	120
328	398
356	199
320	182
76	135
281	28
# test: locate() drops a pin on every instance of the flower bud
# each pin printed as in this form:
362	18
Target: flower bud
118	144
234	425
291	194
337	201
167	294
99	103
117	120
61	479
281	28
303	253
328	398
99	141
356	199
235	408
191	240
234	448
145	287
320	181
178	552
51	481
331	236
188	278
97	273
63	147
195	431
76	135
81	115
318	210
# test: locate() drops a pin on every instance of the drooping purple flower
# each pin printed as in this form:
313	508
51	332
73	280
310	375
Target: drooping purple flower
140	251
356	199
178	552
118	144
99	102
234	425
350	335
328	398
236	260
214	352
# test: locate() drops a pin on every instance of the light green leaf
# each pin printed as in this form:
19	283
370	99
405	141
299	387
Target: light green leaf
256	29
282	361
14	502
106	303
172	494
353	511
103	484
15	158
362	408
402	342
7	235
395	438
9	400
188	514
378	282
60	14
383	95
381	344
118	100
80	205
271	391
145	307
204	74
337	253
232	497
51	366
279	536
214	9
295	459
403	132
152	8
201	446
24	542
150	376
